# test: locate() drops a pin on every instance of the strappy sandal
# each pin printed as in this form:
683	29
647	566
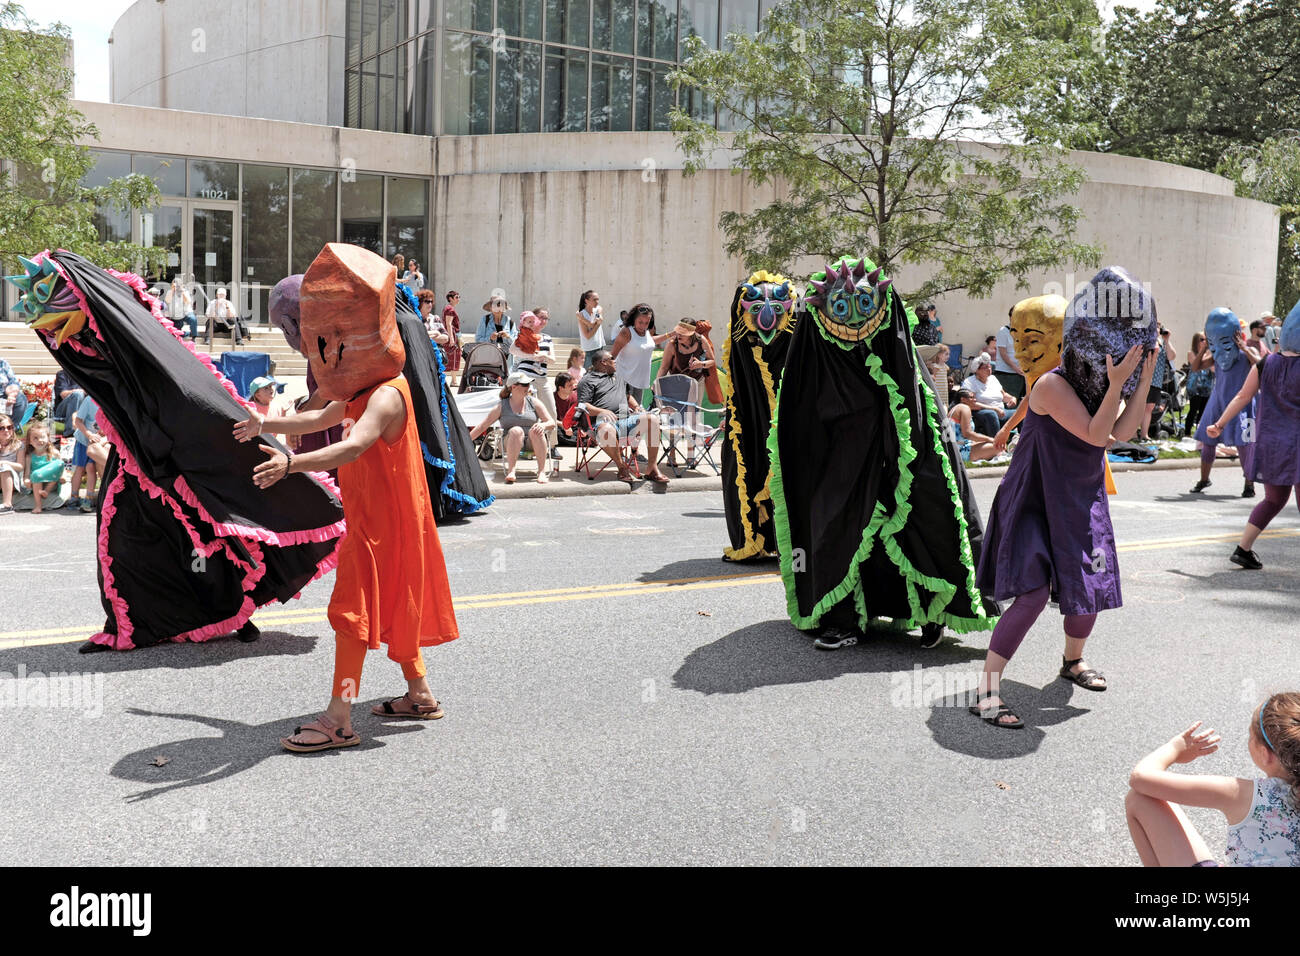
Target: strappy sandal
994	718
1086	679
418	712
335	737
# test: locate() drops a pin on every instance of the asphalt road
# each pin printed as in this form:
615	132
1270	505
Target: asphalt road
599	710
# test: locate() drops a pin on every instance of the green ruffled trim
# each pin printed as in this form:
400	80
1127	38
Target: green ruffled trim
881	527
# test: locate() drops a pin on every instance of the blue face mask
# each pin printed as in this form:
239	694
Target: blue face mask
1221	328
1290	337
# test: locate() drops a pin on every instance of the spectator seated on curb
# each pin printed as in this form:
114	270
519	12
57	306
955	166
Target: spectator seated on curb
43	467
221	311
973	445
521	415
11	465
566	398
12	400
617	415
67	398
83	420
992	406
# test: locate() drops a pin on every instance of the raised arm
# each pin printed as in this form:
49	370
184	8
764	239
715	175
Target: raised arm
1004	433
1248	390
1153	778
1053	395
303	423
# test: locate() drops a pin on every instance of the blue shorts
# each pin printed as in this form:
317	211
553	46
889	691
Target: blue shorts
963	448
624	426
79	457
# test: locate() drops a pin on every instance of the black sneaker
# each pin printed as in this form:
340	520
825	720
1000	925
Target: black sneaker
931	635
1247	559
248	633
1201	486
833	638
1249	490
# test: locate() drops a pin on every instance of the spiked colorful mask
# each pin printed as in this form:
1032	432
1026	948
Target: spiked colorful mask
1108	316
1290	337
1221	328
850	303
284	307
1036	330
765	305
47	304
348	323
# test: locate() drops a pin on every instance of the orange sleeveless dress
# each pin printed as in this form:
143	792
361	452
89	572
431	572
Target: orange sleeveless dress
391	585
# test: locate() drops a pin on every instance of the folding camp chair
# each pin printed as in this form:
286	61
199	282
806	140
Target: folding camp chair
590	452
242	367
678	398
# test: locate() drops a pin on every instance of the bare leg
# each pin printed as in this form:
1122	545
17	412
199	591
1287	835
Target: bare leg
514	442
537	438
1162	834
6	487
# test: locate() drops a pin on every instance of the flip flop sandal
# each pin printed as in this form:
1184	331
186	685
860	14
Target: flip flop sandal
1085	679
336	738
421	712
993	716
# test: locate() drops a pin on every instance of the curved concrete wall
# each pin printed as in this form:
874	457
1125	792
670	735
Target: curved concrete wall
545	216
278	59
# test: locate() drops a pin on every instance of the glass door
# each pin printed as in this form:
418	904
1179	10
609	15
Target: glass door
213	253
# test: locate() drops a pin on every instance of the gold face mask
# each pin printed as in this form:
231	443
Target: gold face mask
1036	326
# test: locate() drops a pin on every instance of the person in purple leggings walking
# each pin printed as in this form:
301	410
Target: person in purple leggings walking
1276	380
1049	533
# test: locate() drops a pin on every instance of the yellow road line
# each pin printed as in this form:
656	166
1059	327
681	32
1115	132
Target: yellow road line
588	592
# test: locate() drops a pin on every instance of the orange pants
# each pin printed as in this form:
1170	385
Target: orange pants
350	655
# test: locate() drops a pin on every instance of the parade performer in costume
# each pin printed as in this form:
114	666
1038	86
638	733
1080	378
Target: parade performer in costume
1276	380
391	585
451	466
762	322
1049	532
1233	360
283	308
188	547
868	511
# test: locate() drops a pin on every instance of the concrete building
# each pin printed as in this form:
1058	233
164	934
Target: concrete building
568	187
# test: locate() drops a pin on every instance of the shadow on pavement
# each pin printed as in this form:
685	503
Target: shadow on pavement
64	657
706	568
774	652
716	513
954	728
196	761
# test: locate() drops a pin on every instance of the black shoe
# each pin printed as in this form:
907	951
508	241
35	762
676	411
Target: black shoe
931	635
90	647
248	633
1201	486
1249	490
1247	559
833	638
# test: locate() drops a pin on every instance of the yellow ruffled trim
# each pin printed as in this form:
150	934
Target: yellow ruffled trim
755	544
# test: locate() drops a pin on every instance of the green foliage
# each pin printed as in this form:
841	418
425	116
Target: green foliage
1270	173
43	203
860	116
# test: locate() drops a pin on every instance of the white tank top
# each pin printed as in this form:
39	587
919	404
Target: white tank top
1270	834
634	360
596	341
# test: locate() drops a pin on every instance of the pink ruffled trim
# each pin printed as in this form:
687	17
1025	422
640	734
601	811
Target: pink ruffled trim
121	641
253	574
280	539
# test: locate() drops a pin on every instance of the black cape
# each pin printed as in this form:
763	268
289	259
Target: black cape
870	498
754	372
188	546
451	466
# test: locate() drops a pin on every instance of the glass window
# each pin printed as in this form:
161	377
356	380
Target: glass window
520	18
352	97
167	171
369	95
700	18
656	28
466	84
213	180
622	24
369	28
163	228
353	30
388	23
518	88
697	105
387	91
611	93
738	16
420	120
107	166
567	21
566	91
664	98
469	15
363	212
600	24
641	117
408	209
315	209
265	225
422	16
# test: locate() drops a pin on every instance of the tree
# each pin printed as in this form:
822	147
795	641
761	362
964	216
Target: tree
1271	173
861	115
43	203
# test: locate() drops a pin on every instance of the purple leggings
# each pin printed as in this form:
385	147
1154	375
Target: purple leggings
1275	497
1245	456
1016	621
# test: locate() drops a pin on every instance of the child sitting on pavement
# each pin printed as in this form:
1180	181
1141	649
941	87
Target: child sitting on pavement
44	467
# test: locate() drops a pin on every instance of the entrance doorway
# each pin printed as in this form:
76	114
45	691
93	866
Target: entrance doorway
202	242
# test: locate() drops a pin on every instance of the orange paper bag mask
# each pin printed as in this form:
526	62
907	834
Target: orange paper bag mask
348	324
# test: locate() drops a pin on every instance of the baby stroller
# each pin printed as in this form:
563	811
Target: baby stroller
1172	403
484	367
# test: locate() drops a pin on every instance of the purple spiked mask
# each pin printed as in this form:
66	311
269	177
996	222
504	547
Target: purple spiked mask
1108	316
850	302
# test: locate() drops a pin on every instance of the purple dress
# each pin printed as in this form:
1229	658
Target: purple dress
1277	446
1226	386
1050	523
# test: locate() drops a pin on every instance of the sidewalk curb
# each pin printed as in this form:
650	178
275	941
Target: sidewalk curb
580	487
